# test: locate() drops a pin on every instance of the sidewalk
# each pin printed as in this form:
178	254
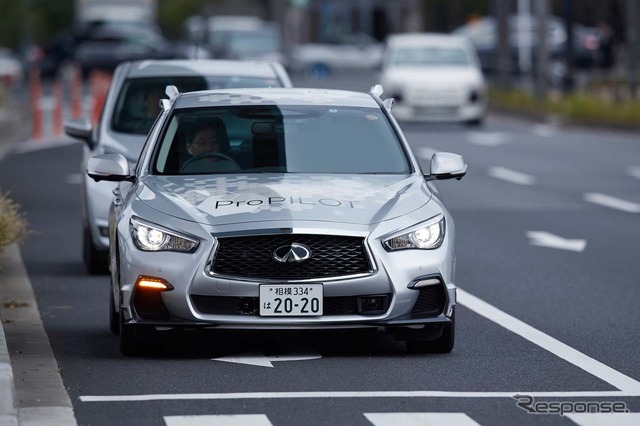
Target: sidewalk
31	389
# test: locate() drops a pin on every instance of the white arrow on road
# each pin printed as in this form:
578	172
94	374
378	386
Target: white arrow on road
261	360
546	239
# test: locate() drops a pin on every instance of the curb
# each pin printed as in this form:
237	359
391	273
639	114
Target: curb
8	414
39	396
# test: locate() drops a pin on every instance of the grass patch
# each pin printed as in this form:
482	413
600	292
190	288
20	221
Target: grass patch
13	224
578	107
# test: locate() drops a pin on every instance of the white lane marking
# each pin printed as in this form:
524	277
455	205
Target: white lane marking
487	139
426	153
546	239
261	360
510	176
605	419
219	420
420	419
634	171
73	179
352	394
612	202
556	347
545	130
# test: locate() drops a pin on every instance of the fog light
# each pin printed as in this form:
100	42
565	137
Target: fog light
152	283
104	231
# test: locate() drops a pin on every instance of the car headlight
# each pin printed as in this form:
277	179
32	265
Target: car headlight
151	237
428	235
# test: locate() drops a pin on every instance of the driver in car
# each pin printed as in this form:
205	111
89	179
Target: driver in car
207	148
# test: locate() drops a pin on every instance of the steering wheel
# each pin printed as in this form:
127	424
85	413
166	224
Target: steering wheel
210	156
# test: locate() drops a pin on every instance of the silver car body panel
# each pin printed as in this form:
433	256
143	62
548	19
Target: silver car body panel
211	207
95	197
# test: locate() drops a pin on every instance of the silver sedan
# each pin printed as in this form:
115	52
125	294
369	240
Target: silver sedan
280	209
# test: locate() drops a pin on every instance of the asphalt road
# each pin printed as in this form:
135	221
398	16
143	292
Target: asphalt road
547	226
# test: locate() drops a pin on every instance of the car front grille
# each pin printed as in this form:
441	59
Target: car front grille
225	305
252	257
431	301
432	97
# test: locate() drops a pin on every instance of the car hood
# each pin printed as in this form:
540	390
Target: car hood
435	75
223	200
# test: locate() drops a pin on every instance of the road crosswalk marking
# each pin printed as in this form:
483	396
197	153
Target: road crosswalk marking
219	420
605	419
399	418
420	419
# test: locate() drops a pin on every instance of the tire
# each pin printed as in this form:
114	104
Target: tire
441	345
129	344
96	261
114	319
476	122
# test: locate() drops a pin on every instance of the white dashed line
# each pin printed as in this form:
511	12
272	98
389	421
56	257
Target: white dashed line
487	139
546	239
634	171
612	202
545	130
510	176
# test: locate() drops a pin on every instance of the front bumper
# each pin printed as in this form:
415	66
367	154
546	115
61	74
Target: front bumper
189	274
405	111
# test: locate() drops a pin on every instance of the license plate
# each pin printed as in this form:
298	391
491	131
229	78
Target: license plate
290	300
435	110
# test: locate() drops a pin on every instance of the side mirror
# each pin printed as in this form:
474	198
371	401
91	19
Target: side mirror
446	165
110	167
79	128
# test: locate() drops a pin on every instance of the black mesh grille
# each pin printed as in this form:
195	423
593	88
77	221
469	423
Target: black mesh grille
431	300
252	257
149	304
220	305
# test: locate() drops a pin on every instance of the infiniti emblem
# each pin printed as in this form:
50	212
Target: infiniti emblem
292	253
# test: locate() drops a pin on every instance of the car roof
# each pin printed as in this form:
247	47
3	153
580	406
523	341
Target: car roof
210	67
430	39
275	96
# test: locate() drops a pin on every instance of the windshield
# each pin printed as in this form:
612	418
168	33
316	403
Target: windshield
281	139
430	56
138	103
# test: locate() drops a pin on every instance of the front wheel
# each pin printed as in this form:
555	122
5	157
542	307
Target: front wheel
95	260
129	344
440	345
476	122
114	320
